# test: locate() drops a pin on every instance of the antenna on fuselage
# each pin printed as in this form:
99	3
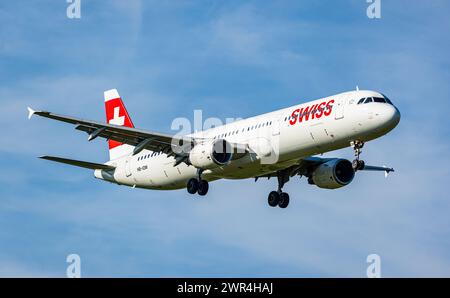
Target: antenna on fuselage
357	88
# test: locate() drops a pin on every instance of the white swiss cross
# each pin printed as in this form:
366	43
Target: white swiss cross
117	120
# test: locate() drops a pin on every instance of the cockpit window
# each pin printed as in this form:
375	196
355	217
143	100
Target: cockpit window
387	99
382	99
379	99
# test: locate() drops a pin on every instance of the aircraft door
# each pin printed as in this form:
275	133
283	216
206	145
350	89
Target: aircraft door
339	109
274	143
275	127
127	167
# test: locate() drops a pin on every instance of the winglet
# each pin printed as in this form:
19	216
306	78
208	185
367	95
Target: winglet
388	170
30	112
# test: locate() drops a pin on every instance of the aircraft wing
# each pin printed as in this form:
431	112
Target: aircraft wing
79	163
376	168
305	166
142	139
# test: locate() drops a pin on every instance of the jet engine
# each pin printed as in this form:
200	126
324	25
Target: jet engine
333	174
211	154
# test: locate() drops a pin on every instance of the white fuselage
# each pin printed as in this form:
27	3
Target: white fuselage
337	121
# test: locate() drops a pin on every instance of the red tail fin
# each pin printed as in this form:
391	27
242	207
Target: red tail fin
117	114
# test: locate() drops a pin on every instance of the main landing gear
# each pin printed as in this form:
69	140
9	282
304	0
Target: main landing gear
357	163
197	185
279	198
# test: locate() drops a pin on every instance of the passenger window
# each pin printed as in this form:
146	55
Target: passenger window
368	99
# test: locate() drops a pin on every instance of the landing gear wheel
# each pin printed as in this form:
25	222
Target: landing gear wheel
192	186
273	199
358	165
203	187
284	200
362	164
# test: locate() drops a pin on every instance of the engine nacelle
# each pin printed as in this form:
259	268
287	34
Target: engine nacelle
333	174
210	155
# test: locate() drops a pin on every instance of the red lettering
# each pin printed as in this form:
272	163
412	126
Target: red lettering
320	110
313	111
329	108
294	117
304	113
316	111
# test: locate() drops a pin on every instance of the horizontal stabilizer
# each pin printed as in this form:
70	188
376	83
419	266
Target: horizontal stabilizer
78	163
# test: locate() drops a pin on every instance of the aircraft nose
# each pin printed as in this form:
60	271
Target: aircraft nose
391	116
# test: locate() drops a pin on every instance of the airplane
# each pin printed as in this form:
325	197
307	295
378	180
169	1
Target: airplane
282	144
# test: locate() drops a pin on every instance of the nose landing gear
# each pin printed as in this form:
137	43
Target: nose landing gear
357	163
279	198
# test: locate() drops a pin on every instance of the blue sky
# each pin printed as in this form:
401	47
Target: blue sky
230	59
